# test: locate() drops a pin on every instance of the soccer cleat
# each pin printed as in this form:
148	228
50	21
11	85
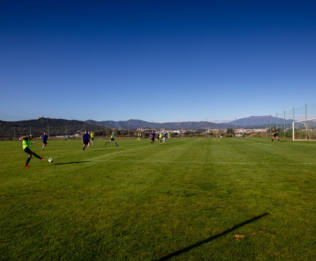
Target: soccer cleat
42	159
25	165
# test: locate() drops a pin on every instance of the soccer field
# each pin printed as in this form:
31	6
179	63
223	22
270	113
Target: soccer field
186	199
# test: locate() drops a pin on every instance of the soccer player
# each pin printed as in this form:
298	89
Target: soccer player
152	137
92	137
85	139
112	139
44	140
164	137
89	139
26	142
169	135
160	136
275	135
139	136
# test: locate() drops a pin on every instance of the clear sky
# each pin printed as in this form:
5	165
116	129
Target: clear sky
155	60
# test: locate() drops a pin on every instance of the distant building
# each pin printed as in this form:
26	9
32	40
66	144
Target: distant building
249	130
142	129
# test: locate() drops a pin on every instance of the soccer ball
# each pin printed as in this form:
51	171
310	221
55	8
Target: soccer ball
50	160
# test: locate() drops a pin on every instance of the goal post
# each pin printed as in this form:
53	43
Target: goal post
304	130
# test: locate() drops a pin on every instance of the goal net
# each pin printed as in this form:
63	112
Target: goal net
304	130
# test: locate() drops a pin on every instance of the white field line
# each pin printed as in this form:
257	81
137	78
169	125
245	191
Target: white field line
208	162
122	151
111	154
266	144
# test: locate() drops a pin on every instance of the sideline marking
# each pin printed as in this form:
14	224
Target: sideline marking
210	162
114	153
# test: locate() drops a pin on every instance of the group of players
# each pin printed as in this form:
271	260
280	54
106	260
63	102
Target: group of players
88	138
161	137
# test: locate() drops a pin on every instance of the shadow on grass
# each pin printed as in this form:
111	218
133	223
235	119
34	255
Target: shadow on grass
179	252
73	162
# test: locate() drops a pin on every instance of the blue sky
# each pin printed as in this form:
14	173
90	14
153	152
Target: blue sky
156	61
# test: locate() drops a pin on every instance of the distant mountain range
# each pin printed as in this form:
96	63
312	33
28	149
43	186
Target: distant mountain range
134	124
249	122
71	127
259	121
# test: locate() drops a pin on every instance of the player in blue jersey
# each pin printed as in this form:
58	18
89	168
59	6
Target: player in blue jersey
112	139
85	140
275	135
164	137
44	140
152	137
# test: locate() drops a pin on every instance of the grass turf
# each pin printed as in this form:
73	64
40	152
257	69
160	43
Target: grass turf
186	199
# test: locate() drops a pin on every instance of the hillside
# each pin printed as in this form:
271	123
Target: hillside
186	125
256	121
248	122
15	129
11	129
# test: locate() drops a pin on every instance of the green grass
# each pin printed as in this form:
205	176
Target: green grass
182	200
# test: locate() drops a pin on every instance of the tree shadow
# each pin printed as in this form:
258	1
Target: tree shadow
179	252
73	162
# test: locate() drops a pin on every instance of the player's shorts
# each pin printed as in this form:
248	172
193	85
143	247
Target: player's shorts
45	142
153	139
85	142
274	135
113	139
28	151
92	139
